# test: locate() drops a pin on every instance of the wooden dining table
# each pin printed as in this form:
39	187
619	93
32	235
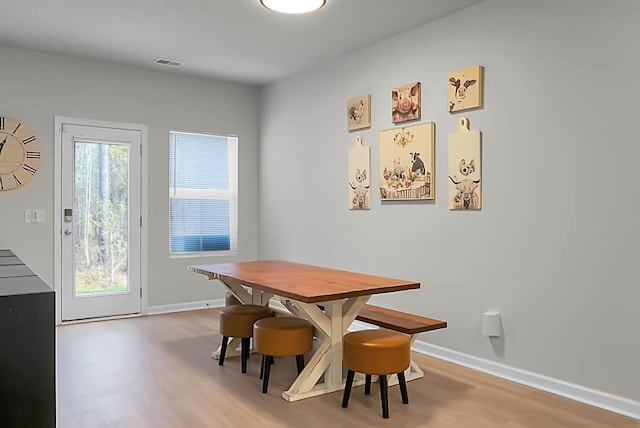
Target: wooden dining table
303	289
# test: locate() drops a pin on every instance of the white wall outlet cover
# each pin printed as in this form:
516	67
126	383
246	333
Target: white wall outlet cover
491	323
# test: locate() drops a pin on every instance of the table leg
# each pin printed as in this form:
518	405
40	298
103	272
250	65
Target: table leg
330	327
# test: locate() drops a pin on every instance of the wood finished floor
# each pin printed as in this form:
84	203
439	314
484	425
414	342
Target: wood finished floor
156	371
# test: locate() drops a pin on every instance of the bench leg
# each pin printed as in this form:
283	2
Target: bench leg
347	388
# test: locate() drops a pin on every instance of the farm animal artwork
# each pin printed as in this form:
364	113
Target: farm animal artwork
465	88
359	184
465	197
405	102
359	112
407	164
465	187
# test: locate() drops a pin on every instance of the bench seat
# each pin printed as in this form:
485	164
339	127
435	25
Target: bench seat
402	322
398	321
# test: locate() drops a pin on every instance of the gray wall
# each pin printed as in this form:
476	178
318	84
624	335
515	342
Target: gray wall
35	87
554	248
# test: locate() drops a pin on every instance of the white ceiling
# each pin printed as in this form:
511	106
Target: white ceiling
234	40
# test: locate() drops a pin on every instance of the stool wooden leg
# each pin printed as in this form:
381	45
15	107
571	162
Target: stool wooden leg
300	363
382	380
223	350
265	380
245	353
367	384
403	388
347	388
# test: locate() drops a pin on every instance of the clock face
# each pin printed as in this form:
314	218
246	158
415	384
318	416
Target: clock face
19	154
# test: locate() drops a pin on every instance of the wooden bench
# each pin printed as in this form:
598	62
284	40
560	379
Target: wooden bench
403	322
399	321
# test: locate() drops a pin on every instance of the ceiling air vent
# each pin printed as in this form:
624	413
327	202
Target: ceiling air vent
168	62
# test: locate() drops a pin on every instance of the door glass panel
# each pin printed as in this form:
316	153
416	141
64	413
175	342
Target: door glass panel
101	216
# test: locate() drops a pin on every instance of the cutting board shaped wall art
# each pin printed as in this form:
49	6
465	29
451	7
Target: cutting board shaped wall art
464	167
359	176
407	162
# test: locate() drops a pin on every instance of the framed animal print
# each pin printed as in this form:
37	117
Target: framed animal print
466	88
465	168
359	112
359	176
407	162
405	103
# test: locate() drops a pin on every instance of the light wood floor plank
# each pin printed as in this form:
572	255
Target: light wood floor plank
156	371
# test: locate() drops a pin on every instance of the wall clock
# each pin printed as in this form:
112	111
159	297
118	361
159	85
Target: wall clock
19	154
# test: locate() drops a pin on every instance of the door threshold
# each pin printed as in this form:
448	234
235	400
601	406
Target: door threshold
108	318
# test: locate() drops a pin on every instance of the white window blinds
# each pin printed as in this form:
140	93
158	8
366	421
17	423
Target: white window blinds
203	193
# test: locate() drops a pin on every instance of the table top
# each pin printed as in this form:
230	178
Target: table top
302	282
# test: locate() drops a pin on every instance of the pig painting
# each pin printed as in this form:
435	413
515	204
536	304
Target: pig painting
405	103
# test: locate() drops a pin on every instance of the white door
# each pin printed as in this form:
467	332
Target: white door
100	221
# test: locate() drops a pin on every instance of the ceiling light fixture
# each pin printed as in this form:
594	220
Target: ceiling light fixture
293	6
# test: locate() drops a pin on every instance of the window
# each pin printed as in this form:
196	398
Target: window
203	193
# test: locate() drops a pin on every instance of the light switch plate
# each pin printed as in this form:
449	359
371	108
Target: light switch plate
34	216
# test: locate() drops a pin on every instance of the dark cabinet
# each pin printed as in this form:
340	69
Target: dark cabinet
27	347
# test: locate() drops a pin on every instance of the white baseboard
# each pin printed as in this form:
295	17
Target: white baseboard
189	306
593	397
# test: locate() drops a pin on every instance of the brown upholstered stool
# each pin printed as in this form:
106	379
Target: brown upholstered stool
281	337
376	352
237	321
230	299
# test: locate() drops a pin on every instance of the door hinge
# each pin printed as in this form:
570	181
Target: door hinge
141	293
140	221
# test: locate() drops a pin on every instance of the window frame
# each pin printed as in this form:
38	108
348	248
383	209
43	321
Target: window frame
231	194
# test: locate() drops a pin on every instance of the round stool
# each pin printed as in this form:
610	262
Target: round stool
230	299
376	352
237	321
281	337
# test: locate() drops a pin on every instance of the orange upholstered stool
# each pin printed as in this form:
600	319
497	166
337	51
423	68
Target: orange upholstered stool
237	321
281	337
376	352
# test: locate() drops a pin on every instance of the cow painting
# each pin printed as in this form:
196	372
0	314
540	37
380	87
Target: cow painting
360	199
417	166
465	88
466	197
